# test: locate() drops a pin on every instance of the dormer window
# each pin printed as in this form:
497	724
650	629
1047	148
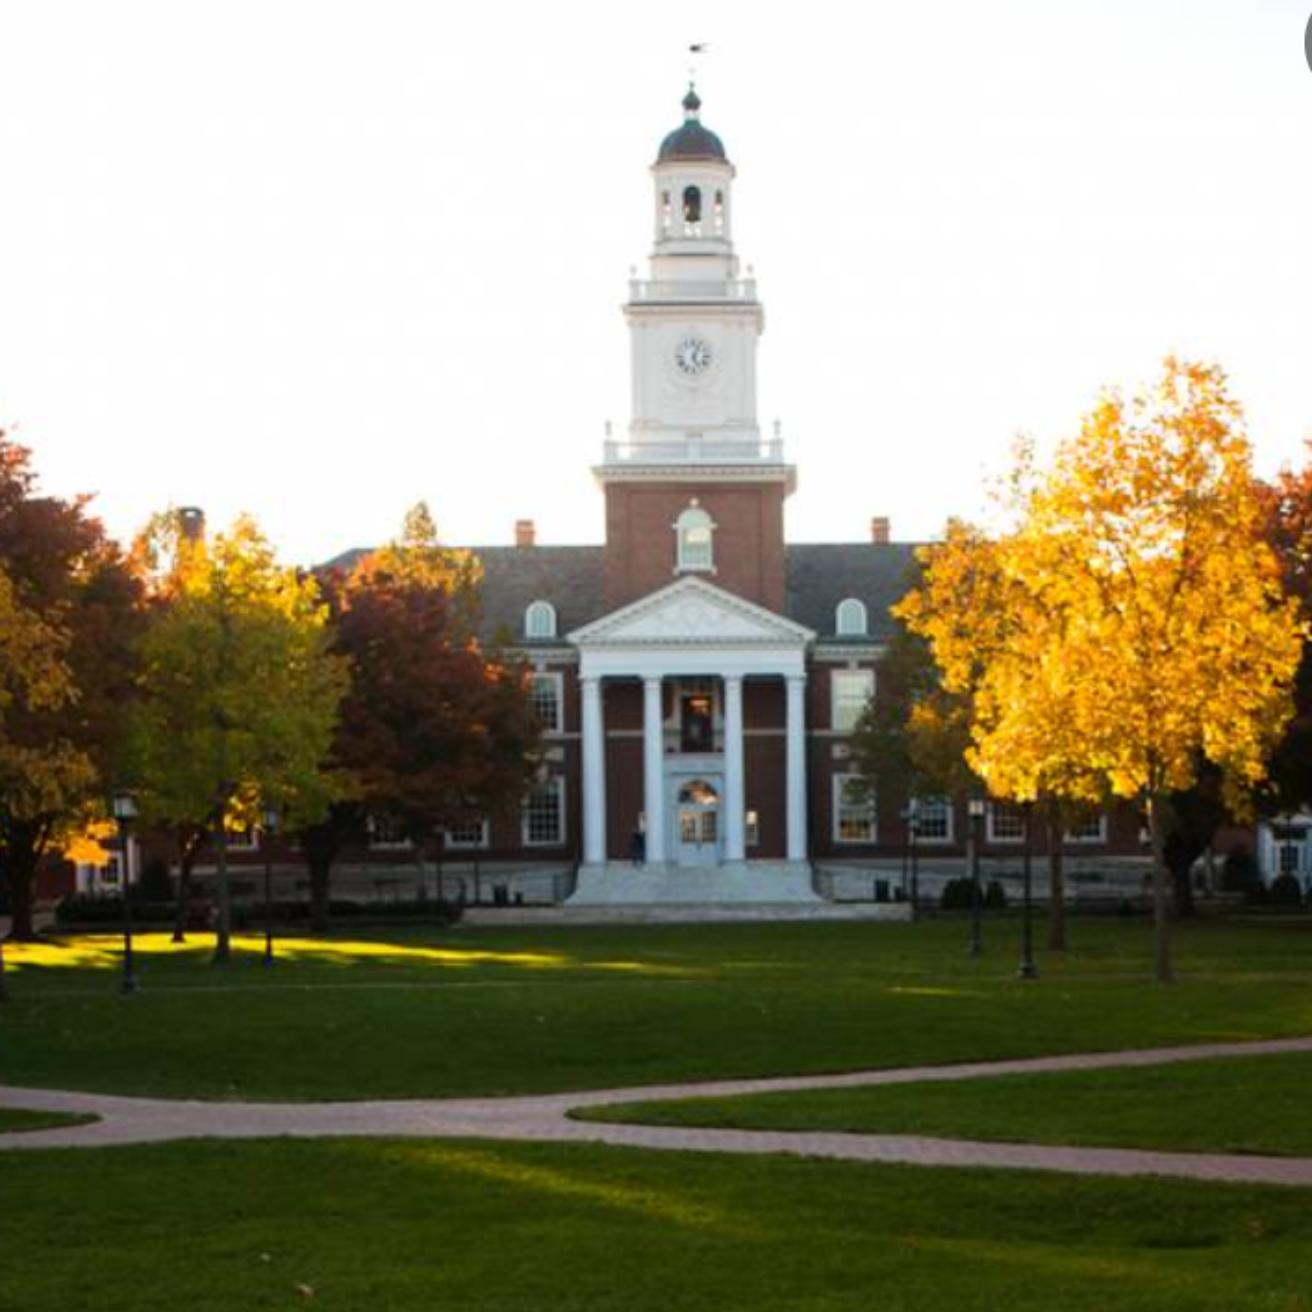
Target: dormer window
851	620
696	540
540	620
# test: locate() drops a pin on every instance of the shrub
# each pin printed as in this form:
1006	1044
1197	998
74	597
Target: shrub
153	884
1284	892
995	896
1239	872
107	909
958	895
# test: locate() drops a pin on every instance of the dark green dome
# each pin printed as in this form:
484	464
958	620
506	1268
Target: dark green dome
692	140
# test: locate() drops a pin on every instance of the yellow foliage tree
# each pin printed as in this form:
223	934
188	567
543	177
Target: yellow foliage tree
987	631
1144	629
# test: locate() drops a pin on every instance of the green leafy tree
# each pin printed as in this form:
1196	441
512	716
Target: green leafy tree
239	696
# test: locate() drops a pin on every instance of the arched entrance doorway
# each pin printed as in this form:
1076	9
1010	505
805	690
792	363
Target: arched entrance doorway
697	824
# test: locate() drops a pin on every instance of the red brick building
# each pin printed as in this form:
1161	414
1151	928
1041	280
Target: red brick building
697	675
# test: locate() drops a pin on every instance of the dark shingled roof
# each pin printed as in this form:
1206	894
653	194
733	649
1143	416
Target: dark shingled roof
819	576
569	578
691	141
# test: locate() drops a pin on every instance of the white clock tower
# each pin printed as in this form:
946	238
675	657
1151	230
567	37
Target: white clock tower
694	324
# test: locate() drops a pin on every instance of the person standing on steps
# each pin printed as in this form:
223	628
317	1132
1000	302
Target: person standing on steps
638	842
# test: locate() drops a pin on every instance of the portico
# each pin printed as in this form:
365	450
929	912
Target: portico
693	648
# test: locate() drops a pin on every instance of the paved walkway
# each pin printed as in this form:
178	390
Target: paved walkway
154	1120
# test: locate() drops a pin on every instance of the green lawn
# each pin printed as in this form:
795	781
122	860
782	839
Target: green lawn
15	1122
396	1226
517	1009
1236	1105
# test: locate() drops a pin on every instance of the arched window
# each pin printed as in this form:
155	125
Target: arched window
719	212
850	620
692	205
540	620
696	539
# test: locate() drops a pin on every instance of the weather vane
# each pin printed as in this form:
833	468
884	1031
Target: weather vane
697	48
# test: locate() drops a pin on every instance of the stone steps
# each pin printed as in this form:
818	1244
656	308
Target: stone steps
673	913
748	883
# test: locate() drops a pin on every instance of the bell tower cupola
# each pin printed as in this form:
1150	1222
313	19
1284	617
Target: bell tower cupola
692	486
692	180
694	326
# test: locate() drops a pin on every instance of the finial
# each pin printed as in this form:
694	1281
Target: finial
691	102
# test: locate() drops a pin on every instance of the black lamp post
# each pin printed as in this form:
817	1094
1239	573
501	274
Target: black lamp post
1028	970
913	833
975	808
271	819
125	812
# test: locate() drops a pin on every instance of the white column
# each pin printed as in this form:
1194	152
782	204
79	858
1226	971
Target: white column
796	809
735	793
594	775
653	769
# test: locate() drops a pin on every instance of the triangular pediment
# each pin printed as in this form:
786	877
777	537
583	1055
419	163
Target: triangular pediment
692	612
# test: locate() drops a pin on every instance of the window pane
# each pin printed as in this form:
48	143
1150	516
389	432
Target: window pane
544	814
851	690
934	815
854	810
545	699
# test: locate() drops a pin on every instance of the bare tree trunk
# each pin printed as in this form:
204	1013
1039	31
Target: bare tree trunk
1161	895
223	930
24	845
320	902
1056	881
188	848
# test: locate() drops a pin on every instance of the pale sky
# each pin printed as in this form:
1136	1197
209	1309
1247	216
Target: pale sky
319	260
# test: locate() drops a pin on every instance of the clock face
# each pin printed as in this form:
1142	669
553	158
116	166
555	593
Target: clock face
693	356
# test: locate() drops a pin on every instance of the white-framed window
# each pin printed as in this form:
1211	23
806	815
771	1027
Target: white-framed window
386	834
546	697
933	820
854	810
544	813
850	691
1006	823
540	620
473	837
695	530
1088	829
851	619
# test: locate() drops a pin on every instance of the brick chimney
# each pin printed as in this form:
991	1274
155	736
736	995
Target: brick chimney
880	529
191	522
525	533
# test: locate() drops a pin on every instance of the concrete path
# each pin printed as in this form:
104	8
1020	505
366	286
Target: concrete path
154	1120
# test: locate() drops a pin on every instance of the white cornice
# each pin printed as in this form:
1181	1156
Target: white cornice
692	613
